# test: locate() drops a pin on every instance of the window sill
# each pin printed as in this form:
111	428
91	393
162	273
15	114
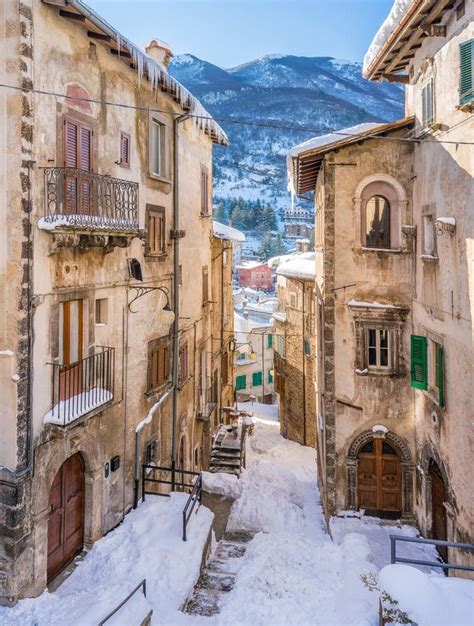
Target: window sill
156	257
161	179
388	250
429	257
204	215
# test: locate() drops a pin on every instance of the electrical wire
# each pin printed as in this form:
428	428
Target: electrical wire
302	129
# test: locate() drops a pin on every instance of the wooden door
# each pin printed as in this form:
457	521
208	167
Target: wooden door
71	339
438	512
66	515
379	477
78	156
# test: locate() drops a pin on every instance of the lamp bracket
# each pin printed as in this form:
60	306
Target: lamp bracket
142	291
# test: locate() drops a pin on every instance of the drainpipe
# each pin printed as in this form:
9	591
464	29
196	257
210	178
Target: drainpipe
176	123
304	367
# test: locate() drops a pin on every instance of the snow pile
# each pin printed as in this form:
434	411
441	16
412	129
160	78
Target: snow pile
393	20
299	266
67	411
429	600
147	544
451	221
222	231
227	485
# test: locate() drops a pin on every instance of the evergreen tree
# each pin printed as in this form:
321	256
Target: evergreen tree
271	245
220	213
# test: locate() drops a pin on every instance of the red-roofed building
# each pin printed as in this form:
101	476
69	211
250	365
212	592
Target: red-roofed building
256	275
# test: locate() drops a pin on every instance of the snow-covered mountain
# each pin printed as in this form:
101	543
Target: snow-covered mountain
295	98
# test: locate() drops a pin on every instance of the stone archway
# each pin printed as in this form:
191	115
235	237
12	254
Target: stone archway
407	468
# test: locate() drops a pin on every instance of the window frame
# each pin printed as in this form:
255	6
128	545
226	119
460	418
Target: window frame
466	55
98	311
161	212
160	344
378	348
164	173
433	254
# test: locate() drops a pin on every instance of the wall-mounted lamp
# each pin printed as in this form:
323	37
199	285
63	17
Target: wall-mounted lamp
135	271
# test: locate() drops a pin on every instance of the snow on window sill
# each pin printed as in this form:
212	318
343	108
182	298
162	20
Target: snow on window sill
429	257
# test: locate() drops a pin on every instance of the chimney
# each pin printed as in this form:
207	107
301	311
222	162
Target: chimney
304	245
160	52
299	245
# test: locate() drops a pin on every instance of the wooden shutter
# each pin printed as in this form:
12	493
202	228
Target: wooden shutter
419	369
241	382
427	96
70	143
466	76
156	231
204	192
256	379
205	285
440	374
124	149
270	341
183	362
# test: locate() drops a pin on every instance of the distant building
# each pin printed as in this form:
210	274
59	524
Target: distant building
232	234
256	275
298	224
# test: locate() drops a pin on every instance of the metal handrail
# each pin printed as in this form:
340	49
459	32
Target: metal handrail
194	496
141	584
436	542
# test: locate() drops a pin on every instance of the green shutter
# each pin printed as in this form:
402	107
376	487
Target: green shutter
270	341
440	372
466	81
270	377
419	368
256	379
307	347
241	382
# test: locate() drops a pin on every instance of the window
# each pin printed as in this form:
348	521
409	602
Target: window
205	285
280	345
429	236
377	222
293	299
241	382
151	452
466	74
241	356
204	191
418	364
256	379
196	456
269	341
101	311
427	104
378	348
158	363
270	376
183	363
124	149
156	237
158	164
436	370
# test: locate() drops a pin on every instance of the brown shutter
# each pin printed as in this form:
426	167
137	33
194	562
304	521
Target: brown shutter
70	143
205	285
124	149
85	149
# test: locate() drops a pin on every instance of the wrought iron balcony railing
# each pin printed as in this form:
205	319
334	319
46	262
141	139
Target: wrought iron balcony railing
80	199
81	387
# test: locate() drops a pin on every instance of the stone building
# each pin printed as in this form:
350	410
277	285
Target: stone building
298	223
253	373
365	439
431	51
105	316
295	348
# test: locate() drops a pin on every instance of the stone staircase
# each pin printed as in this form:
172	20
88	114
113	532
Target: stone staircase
218	577
226	454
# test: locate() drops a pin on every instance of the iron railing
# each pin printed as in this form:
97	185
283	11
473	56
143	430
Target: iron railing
79	388
141	585
174	479
435	542
82	199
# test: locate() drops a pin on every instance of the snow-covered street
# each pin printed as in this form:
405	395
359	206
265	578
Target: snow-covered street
292	572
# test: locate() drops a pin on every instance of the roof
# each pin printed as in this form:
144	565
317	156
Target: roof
251	265
304	160
301	266
98	29
401	34
222	231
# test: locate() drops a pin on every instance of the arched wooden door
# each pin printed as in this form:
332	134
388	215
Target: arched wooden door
438	511
66	515
379	478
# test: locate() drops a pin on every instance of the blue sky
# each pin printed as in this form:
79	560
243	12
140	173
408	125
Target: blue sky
230	32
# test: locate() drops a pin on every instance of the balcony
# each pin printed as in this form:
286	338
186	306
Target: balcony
87	209
207	404
81	387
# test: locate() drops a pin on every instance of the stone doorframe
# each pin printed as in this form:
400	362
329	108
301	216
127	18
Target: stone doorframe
429	454
407	466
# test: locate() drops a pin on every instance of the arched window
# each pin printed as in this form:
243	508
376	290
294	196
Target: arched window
377	222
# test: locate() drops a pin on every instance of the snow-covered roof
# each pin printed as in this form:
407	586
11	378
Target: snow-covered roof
304	160
300	266
148	68
372	305
400	36
250	265
222	231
